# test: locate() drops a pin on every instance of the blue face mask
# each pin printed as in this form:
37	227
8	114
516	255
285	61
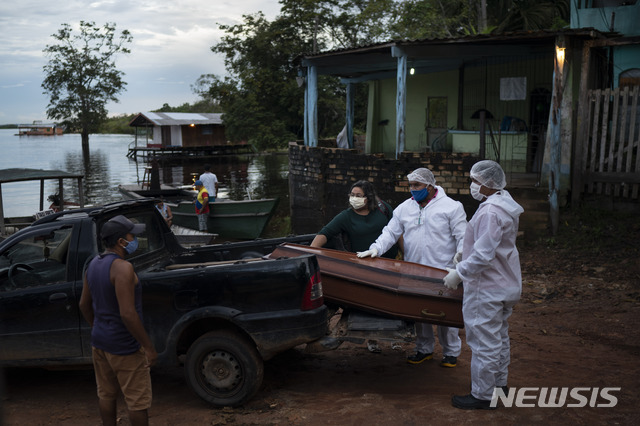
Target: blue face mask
132	246
420	195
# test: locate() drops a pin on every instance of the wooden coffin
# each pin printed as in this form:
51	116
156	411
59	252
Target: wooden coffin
393	288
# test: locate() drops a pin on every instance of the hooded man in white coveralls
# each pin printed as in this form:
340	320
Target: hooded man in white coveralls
490	269
432	226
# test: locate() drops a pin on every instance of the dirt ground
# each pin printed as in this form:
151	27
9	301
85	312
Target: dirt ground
577	325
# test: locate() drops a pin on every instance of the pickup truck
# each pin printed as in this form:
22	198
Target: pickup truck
219	310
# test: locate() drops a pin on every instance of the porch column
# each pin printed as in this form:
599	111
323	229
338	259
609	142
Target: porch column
401	98
557	157
580	154
350	112
2	226
311	107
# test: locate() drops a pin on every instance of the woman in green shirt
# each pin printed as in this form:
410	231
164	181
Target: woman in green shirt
362	222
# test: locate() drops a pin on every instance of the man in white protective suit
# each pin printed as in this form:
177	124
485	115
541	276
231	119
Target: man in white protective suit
432	226
490	270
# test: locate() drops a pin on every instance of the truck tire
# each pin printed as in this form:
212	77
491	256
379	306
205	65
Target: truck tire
224	368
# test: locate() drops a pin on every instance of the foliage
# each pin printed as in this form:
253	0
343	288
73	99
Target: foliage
204	105
260	97
418	19
81	75
261	102
514	15
117	125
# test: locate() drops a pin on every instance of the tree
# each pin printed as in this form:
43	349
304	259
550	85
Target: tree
81	75
514	15
261	99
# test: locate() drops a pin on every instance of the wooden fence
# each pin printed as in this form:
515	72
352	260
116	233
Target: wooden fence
608	138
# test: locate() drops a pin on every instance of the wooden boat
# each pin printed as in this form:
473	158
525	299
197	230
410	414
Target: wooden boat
190	237
242	220
387	287
168	192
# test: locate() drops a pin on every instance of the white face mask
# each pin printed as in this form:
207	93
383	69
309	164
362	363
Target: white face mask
357	203
475	191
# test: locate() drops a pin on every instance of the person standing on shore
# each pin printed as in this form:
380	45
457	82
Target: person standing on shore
361	224
432	226
111	302
210	181
490	269
202	205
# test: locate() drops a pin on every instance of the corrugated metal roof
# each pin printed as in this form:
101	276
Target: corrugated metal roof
175	118
510	36
19	175
380	60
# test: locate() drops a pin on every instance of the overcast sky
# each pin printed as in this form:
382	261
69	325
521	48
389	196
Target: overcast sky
170	48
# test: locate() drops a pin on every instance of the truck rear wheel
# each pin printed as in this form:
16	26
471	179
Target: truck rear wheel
224	368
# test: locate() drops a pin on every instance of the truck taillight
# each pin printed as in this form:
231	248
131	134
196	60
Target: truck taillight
313	293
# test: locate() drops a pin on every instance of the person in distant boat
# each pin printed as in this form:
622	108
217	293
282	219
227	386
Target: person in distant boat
361	223
202	205
432	226
54	199
210	181
165	211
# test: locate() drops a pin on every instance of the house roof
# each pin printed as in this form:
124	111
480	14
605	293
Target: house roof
175	118
19	175
380	60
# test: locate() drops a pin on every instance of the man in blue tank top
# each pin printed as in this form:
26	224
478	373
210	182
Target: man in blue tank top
111	302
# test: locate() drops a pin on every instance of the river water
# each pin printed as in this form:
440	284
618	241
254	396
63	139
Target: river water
107	166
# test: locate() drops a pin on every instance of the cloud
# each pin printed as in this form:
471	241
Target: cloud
171	47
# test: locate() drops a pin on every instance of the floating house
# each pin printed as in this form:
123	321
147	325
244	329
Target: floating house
37	128
178	129
171	134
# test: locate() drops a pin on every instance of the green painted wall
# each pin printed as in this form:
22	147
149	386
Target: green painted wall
481	90
625	18
382	104
625	21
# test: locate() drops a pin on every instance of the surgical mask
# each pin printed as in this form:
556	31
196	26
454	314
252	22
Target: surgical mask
420	195
357	202
132	246
474	188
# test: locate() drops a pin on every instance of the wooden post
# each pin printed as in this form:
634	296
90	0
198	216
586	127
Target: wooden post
312	106
483	135
61	192
401	99
560	70
80	193
305	119
2	227
41	194
350	113
582	124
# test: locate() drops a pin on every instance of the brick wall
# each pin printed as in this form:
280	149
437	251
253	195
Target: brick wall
320	178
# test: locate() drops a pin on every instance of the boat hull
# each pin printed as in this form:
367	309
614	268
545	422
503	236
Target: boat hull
389	287
229	219
136	191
